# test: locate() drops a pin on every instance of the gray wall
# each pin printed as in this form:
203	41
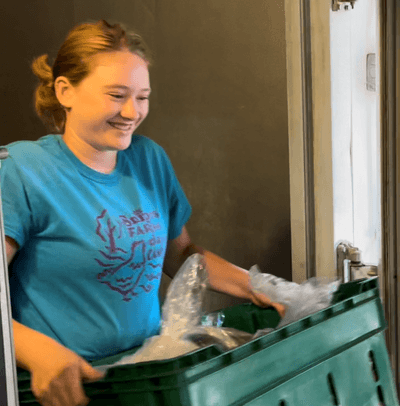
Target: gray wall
218	107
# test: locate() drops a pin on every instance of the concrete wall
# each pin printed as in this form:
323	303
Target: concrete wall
219	108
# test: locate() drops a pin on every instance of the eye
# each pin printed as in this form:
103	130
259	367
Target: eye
117	96
143	98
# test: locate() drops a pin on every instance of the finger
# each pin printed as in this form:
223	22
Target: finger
45	401
50	399
73	396
53	395
58	393
79	395
44	398
261	300
75	392
281	309
90	374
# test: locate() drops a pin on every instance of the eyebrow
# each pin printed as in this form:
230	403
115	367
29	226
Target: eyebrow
124	87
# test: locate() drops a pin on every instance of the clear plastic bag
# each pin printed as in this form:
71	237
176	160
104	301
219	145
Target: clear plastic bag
181	313
224	338
300	300
185	328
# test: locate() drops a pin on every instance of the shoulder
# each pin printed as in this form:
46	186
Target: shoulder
22	151
146	153
30	157
143	142
145	148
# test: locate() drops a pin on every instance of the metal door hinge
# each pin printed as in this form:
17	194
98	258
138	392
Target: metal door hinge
349	265
337	3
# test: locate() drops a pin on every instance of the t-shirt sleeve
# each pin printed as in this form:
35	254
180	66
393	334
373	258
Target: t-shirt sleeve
179	206
15	202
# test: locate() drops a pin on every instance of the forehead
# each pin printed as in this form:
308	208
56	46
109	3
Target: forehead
122	67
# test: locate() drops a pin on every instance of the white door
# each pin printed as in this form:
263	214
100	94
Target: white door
334	115
355	96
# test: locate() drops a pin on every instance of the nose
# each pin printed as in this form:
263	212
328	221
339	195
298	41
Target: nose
130	109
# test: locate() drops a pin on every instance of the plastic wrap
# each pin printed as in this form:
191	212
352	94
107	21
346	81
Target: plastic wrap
224	338
181	313
185	328
182	309
300	300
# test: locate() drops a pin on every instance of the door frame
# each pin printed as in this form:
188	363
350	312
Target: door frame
310	134
390	154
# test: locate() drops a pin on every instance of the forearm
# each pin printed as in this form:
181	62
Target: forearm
224	276
233	280
30	345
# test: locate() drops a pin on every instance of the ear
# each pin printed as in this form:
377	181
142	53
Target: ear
64	91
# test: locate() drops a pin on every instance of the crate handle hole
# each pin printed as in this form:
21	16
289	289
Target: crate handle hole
332	388
380	396
283	403
374	369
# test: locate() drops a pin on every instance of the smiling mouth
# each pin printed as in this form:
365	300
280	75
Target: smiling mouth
122	127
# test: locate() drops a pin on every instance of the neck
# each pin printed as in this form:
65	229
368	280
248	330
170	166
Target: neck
101	161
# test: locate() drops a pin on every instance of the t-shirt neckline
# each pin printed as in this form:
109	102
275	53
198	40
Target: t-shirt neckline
86	170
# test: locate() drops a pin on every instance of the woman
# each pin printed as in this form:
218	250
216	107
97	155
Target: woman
93	214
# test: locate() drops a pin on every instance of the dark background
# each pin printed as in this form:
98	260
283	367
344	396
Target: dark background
218	107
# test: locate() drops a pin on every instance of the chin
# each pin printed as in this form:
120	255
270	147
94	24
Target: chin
121	145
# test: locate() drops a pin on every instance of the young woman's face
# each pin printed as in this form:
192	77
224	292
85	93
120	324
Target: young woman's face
110	103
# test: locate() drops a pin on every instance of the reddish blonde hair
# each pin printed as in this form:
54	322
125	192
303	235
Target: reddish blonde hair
74	62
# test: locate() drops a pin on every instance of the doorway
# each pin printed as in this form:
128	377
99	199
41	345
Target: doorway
345	146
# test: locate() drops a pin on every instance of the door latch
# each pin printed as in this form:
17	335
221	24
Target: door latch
349	265
337	3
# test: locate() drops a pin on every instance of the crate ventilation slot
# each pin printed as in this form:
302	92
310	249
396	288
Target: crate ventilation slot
332	388
374	369
380	396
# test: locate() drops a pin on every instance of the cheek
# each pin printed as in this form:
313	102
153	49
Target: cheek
92	109
103	112
145	111
106	106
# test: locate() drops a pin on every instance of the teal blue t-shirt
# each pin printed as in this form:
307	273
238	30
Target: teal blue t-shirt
92	245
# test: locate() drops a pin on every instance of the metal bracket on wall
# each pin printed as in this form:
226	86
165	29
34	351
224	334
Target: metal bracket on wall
337	3
349	265
371	72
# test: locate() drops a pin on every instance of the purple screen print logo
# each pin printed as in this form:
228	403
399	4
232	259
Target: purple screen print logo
131	270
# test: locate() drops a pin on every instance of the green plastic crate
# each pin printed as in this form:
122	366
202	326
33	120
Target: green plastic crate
250	318
336	356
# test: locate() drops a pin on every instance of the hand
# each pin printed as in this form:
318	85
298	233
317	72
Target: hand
58	374
261	300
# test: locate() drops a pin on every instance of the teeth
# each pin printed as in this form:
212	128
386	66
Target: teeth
121	126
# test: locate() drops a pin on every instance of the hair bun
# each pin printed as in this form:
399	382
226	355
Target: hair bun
42	70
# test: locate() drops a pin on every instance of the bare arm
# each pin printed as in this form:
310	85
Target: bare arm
57	372
222	275
11	249
22	334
